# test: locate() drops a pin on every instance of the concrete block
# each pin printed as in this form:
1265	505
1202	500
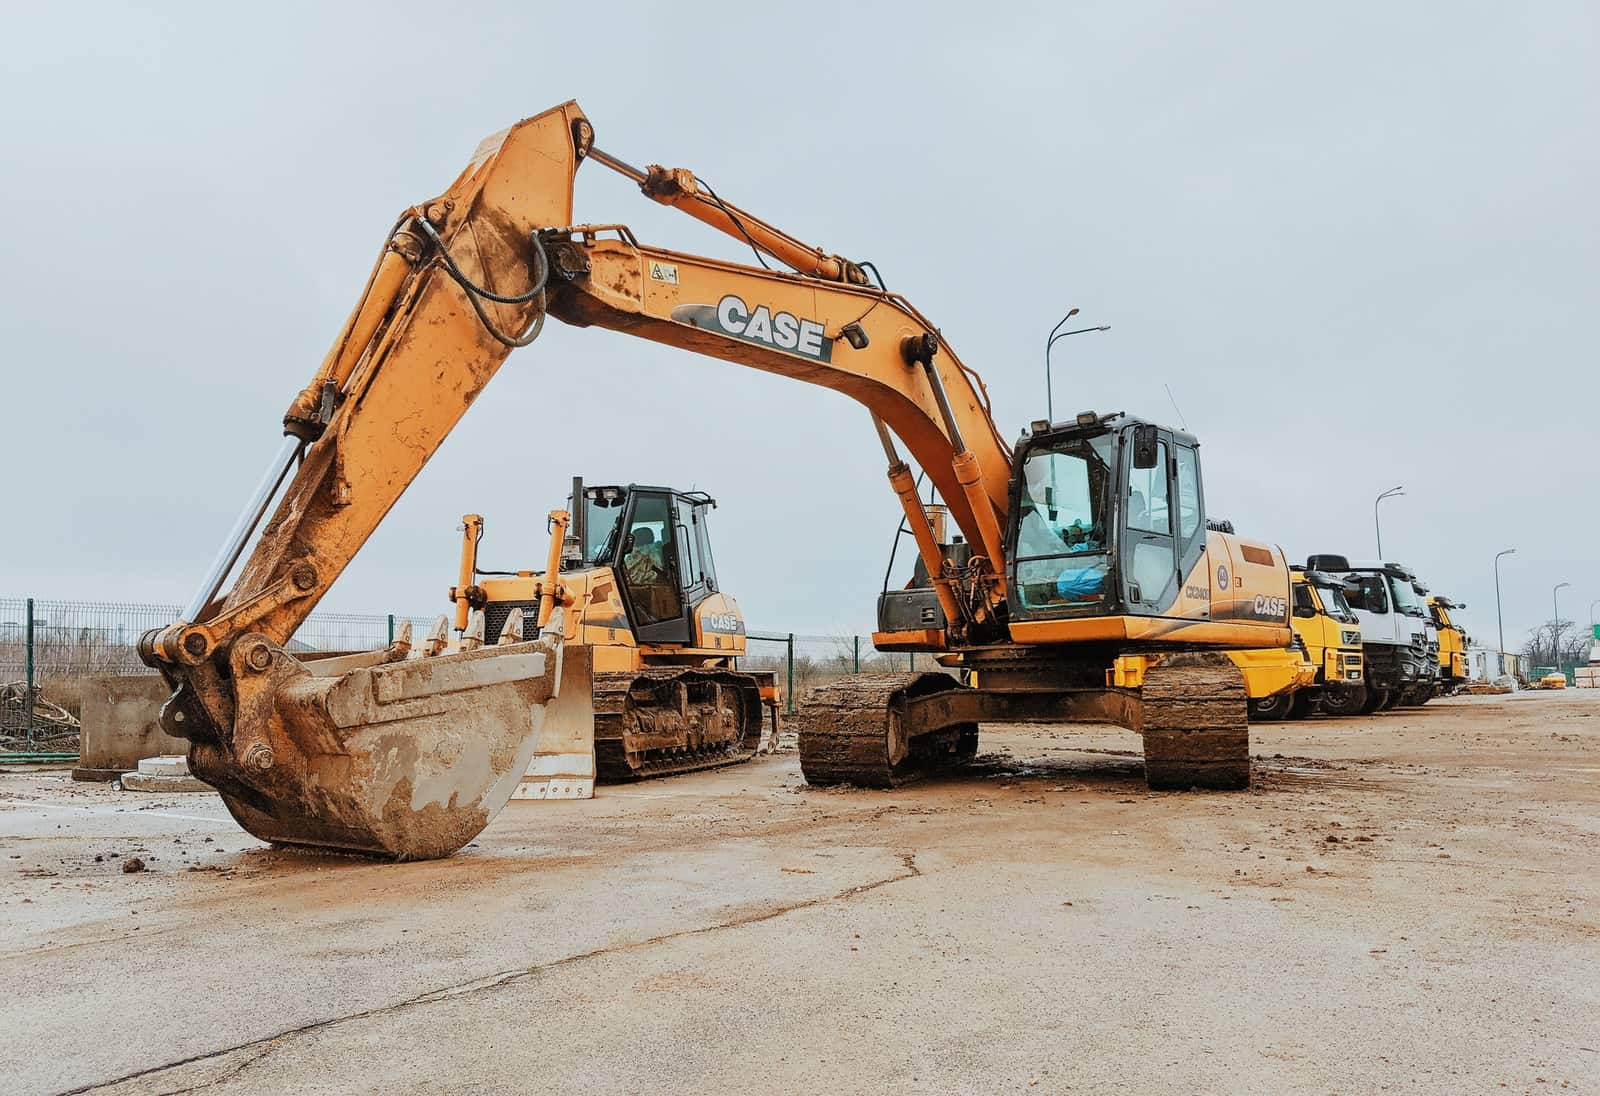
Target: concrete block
163	774
120	726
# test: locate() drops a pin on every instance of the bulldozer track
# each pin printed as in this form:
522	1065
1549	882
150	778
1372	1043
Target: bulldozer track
851	733
1193	716
665	721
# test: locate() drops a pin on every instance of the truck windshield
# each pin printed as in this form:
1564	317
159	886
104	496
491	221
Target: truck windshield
1334	603
1405	597
1062	523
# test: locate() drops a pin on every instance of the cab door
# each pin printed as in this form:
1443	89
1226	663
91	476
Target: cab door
1150	542
649	569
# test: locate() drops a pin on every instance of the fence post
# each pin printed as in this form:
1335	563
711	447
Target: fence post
855	661
28	686
788	693
391	629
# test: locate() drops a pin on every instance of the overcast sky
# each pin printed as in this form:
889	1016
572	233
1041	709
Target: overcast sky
1359	242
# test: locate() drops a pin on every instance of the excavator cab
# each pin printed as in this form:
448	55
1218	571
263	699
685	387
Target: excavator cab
1108	540
1108	520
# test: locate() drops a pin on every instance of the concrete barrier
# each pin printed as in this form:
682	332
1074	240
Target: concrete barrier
119	726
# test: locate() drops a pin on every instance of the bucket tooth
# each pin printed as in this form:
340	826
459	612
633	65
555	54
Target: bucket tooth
438	637
511	631
472	636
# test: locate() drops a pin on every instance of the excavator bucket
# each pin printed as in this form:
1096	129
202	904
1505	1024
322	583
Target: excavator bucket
406	758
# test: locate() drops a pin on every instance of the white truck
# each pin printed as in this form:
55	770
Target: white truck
1400	661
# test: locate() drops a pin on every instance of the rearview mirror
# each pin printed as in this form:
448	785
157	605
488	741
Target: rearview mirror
1144	446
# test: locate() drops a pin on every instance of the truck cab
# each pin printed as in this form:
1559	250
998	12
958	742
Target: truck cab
1329	633
1453	642
1397	664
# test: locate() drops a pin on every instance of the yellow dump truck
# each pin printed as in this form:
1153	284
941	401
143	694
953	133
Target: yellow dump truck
1328	633
1324	668
1452	645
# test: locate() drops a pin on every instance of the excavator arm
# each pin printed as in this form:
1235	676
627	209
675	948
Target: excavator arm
407	757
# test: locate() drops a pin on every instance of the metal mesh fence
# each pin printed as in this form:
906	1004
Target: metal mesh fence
49	647
74	640
94	638
805	662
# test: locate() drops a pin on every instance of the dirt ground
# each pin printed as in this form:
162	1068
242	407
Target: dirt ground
1405	903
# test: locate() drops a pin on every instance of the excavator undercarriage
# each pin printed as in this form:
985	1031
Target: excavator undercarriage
883	730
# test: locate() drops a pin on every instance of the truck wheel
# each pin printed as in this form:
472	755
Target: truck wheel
1270	709
1300	704
1351	701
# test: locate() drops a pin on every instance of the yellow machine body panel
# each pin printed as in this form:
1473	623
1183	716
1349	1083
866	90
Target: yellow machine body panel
1273	672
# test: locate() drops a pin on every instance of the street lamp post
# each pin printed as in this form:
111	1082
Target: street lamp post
1555	603
1499	618
1057	334
1376	527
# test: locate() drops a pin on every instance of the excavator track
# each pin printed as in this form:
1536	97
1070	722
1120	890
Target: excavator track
1194	719
665	721
852	732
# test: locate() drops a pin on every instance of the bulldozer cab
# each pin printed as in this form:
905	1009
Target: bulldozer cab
1107	518
657	542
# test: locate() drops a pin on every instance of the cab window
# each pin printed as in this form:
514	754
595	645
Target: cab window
1188	493
702	533
1148	510
688	555
1369	594
648	560
1062	524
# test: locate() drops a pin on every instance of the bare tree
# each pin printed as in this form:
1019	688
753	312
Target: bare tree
1556	643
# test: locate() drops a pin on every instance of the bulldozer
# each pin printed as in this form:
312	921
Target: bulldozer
632	573
1085	582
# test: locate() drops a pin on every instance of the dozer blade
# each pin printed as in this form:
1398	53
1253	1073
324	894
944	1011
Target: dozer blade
562	765
402	758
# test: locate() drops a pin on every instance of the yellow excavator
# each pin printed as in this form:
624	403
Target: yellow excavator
632	572
1084	585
